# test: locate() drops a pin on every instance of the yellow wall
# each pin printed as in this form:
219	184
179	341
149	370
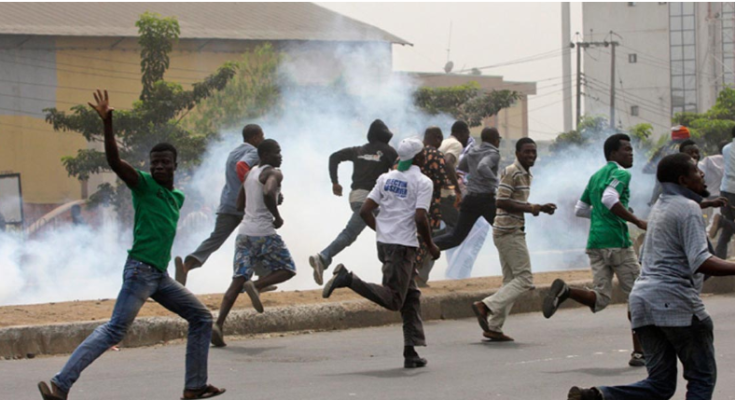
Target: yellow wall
30	146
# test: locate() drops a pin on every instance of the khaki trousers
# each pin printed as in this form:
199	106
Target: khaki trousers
517	277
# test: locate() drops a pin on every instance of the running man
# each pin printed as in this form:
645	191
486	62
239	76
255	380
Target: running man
509	235
157	206
482	164
370	161
404	198
605	202
435	169
259	249
453	148
667	311
239	162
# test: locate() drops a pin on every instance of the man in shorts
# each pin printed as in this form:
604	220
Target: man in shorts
605	202
258	249
239	162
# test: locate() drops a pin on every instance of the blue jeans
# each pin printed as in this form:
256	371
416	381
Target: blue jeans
693	345
141	281
354	228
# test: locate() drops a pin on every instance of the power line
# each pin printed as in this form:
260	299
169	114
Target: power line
536	57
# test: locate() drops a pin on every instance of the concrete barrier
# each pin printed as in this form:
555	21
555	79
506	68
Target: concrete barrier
21	341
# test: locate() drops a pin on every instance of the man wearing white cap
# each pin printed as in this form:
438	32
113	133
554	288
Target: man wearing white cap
404	198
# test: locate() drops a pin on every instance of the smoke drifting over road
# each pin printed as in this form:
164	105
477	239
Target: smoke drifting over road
317	118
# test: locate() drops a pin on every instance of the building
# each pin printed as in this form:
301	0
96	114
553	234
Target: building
56	54
512	122
671	57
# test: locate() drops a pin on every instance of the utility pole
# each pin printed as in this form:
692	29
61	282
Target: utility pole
579	84
566	62
612	84
580	46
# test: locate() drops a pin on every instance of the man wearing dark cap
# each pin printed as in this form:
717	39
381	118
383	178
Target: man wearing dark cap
370	161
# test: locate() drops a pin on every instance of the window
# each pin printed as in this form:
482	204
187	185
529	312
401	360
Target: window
631	4
632	58
634	111
728	43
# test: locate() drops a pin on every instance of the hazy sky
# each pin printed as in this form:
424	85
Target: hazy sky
482	34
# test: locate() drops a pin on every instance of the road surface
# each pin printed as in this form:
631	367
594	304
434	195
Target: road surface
575	347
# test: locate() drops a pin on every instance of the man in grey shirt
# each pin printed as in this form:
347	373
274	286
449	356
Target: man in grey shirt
667	313
482	164
237	166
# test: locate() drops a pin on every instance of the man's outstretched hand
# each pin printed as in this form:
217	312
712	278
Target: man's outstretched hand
103	104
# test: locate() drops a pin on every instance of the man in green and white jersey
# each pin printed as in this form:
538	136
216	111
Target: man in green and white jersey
605	203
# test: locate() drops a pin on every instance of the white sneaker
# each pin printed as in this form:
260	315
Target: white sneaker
318	265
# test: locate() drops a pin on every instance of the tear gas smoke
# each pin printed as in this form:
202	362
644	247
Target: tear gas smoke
316	120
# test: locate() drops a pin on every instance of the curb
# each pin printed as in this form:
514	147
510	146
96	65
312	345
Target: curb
29	341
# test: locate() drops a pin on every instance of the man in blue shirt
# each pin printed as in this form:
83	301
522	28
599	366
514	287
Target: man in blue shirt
667	312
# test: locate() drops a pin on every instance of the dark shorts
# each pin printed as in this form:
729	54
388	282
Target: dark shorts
261	255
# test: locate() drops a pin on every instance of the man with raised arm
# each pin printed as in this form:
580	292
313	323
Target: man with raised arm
605	202
259	249
157	206
404	198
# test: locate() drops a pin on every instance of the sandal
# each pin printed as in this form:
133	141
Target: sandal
206	393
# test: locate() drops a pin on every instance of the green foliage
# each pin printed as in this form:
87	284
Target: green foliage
590	129
153	119
464	102
156	39
251	93
714	126
641	137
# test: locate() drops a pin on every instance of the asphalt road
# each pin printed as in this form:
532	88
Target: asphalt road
573	348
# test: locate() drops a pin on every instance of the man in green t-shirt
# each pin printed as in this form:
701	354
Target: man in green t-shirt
605	203
156	205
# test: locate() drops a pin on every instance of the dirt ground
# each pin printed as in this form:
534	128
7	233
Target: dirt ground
94	310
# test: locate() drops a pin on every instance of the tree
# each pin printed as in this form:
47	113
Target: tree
589	130
153	119
464	102
251	93
714	126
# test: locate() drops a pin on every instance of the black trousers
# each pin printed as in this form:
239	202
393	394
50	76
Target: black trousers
398	291
472	208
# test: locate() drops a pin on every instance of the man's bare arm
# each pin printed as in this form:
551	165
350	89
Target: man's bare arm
122	169
272	184
366	212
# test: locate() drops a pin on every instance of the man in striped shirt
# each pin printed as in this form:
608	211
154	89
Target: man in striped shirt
510	238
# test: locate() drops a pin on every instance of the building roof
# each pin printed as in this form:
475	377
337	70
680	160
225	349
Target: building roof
238	21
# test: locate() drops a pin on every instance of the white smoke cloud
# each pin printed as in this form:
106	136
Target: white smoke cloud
319	117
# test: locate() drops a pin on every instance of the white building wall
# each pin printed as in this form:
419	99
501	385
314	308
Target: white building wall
656	34
643	31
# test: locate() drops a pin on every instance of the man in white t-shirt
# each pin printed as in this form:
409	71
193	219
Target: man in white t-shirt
404	198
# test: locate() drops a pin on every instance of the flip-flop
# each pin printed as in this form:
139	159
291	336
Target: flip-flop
206	393
46	392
